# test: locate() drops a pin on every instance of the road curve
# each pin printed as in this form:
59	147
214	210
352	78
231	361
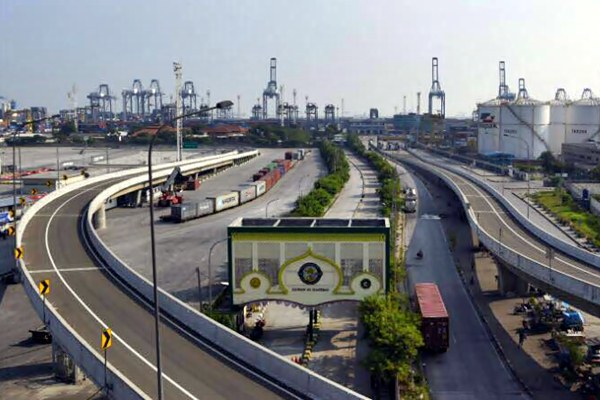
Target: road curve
498	223
89	299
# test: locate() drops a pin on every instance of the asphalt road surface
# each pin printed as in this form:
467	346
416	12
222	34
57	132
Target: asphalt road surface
471	368
181	248
496	222
89	300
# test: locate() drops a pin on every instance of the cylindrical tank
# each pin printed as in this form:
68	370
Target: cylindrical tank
557	130
583	118
488	123
524	128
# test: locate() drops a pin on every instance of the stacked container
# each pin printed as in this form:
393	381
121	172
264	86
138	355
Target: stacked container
247	193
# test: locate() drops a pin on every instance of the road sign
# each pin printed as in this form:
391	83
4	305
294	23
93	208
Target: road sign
44	287
18	253
106	338
190	145
22	200
34	191
49	183
11	231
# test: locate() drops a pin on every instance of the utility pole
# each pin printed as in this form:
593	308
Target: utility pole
177	68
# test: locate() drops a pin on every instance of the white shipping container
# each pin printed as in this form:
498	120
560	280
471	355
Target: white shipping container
247	193
225	201
261	187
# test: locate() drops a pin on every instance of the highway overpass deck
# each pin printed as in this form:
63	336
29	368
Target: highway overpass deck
498	223
89	299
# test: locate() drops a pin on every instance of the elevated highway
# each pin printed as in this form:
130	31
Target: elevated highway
570	274
88	296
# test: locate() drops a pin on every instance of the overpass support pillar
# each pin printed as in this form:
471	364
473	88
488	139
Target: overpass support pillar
100	218
64	367
509	282
475	239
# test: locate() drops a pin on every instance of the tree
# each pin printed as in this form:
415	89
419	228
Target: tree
67	128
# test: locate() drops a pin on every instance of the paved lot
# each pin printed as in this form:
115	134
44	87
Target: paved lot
182	248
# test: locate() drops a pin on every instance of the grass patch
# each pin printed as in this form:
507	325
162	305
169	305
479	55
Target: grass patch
562	205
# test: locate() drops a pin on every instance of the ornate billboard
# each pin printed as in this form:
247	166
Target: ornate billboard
307	261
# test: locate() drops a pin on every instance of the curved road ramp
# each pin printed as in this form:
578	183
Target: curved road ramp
91	290
567	271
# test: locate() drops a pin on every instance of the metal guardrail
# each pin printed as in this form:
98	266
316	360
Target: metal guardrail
83	355
560	280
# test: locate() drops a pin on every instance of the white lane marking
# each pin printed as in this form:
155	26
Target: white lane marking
541	250
39	271
89	310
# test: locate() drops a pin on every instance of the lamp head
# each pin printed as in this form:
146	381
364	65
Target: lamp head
224	104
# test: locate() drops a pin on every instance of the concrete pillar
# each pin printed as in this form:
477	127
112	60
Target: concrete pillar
475	239
64	367
100	218
510	283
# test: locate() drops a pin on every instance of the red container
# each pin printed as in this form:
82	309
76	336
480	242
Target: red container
435	324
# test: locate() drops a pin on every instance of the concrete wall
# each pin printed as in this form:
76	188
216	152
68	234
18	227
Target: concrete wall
587	291
595	206
85	356
265	361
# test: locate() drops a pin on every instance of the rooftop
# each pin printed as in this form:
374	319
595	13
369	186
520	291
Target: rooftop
313	223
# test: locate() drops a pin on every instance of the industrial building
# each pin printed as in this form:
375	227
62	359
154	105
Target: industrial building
524	127
582	155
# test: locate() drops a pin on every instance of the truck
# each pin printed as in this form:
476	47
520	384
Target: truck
410	205
435	323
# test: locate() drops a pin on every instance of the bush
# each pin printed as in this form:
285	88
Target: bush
315	203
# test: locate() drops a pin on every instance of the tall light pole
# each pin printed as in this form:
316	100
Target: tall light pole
529	163
222	104
210	270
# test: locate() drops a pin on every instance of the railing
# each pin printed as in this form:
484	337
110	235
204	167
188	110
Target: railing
83	355
560	280
253	356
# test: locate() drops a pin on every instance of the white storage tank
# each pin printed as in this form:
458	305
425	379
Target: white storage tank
488	115
524	126
557	132
583	118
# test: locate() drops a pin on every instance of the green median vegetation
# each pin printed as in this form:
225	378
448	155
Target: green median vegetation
395	339
316	202
392	328
562	205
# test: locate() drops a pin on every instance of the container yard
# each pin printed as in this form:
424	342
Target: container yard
258	184
525	127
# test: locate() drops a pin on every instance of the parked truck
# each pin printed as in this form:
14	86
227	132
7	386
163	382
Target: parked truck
435	324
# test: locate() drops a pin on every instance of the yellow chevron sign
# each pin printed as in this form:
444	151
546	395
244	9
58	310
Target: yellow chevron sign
106	340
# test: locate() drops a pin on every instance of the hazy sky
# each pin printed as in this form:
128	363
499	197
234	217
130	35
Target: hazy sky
369	52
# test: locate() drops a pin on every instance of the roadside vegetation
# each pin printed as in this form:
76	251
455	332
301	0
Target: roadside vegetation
394	336
317	201
562	205
392	328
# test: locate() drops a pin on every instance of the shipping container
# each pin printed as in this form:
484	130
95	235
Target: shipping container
289	155
435	324
268	180
226	200
257	176
192	184
190	210
205	207
281	169
247	193
295	156
261	187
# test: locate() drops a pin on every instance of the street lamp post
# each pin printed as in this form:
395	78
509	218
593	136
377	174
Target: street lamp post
528	162
222	104
210	270
267	207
